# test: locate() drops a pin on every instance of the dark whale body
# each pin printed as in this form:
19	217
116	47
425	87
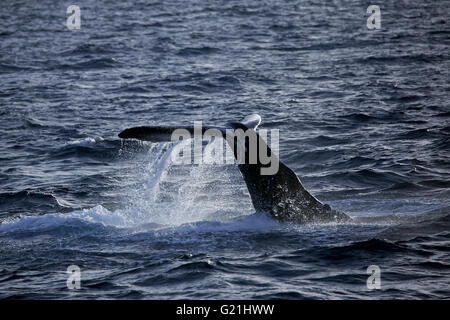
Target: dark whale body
281	194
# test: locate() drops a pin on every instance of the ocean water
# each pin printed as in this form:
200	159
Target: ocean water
364	120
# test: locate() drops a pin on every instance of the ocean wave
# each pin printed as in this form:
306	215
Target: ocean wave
135	222
29	201
97	215
368	177
132	221
91	64
10	68
194	51
432	223
359	117
397	59
91	48
96	148
323	140
423	133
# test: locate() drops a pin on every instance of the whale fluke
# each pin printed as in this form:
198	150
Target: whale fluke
252	121
281	194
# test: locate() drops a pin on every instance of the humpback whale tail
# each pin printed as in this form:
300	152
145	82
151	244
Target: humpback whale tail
164	133
281	194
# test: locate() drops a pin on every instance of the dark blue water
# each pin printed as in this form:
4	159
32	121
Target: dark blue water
364	120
